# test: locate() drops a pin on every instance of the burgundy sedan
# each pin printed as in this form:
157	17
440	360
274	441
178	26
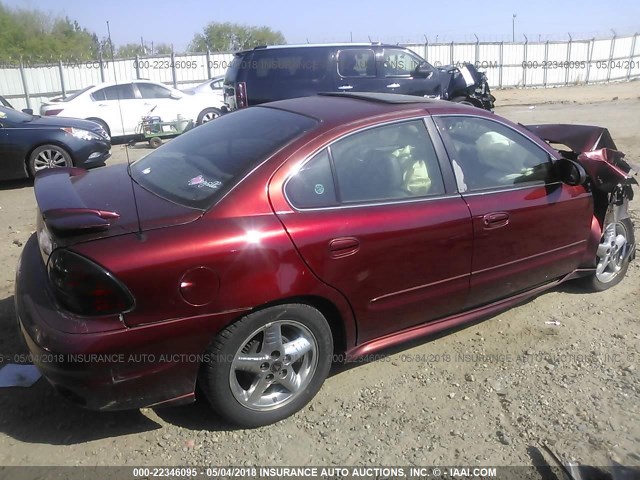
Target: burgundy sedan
248	254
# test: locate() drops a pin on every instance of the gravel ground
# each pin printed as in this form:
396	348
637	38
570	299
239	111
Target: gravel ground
482	395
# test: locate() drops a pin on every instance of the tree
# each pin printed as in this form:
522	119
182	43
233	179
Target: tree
226	37
32	36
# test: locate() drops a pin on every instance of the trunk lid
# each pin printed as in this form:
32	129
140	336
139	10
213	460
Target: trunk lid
76	205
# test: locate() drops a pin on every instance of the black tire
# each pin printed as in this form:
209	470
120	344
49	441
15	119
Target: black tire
465	101
208	114
48	156
103	124
599	283
155	142
224	384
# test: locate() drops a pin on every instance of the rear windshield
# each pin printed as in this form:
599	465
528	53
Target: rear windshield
196	168
77	94
232	72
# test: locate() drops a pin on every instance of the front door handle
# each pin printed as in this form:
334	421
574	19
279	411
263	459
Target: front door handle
343	246
495	220
393	85
345	87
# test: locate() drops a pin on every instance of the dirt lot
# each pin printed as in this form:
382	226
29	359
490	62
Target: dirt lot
481	395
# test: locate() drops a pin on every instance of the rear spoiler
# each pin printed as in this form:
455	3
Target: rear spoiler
62	209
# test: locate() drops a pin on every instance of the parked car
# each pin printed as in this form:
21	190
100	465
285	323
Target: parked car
265	74
211	94
119	108
246	253
30	143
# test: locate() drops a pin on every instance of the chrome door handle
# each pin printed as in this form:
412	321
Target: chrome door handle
495	220
345	87
393	85
343	246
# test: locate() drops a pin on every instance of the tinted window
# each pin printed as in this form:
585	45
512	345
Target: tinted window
487	154
195	168
76	94
357	63
217	84
385	163
313	185
398	62
150	90
305	64
115	92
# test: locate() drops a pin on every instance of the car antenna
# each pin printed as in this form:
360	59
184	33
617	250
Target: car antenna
126	148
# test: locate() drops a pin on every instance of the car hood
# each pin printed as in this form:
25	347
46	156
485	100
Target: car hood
579	138
61	122
79	205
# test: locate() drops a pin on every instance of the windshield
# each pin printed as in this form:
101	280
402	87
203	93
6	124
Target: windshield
14	116
197	167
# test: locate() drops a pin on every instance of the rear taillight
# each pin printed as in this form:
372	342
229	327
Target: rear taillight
52	112
241	95
85	288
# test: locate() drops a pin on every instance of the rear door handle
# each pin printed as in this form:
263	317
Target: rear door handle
393	85
495	220
343	247
345	87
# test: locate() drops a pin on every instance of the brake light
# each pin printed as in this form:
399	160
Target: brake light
52	112
241	95
85	288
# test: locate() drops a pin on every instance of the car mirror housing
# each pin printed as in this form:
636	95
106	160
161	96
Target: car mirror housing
176	95
28	111
570	172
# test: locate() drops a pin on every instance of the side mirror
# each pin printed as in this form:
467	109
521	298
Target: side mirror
28	111
424	70
570	172
176	95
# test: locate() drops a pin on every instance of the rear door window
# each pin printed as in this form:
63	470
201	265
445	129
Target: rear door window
151	90
356	63
313	185
114	92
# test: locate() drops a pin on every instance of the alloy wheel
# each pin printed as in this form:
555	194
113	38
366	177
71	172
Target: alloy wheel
612	252
274	365
49	158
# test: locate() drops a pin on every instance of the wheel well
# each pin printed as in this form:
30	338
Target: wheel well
328	310
101	122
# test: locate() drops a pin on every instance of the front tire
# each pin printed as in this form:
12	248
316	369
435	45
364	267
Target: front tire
267	365
48	156
612	257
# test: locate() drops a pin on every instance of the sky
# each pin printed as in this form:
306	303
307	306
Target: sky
398	21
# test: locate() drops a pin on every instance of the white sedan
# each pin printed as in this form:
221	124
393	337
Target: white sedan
212	93
119	108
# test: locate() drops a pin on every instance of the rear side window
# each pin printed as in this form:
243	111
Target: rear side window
196	168
357	63
115	92
305	64
313	186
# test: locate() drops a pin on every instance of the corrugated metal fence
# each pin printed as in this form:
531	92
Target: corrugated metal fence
528	64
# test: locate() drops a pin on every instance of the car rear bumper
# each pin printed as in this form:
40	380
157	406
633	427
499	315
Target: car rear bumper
108	370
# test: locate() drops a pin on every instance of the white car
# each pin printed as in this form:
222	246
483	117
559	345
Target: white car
119	108
212	92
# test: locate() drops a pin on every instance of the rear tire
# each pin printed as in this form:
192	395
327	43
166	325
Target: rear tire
613	256
48	156
267	365
208	114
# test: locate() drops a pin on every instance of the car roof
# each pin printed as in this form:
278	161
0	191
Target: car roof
319	45
348	107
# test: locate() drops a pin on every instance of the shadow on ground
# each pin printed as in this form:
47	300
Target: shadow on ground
38	414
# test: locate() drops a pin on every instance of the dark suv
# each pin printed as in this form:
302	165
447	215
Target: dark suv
265	74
